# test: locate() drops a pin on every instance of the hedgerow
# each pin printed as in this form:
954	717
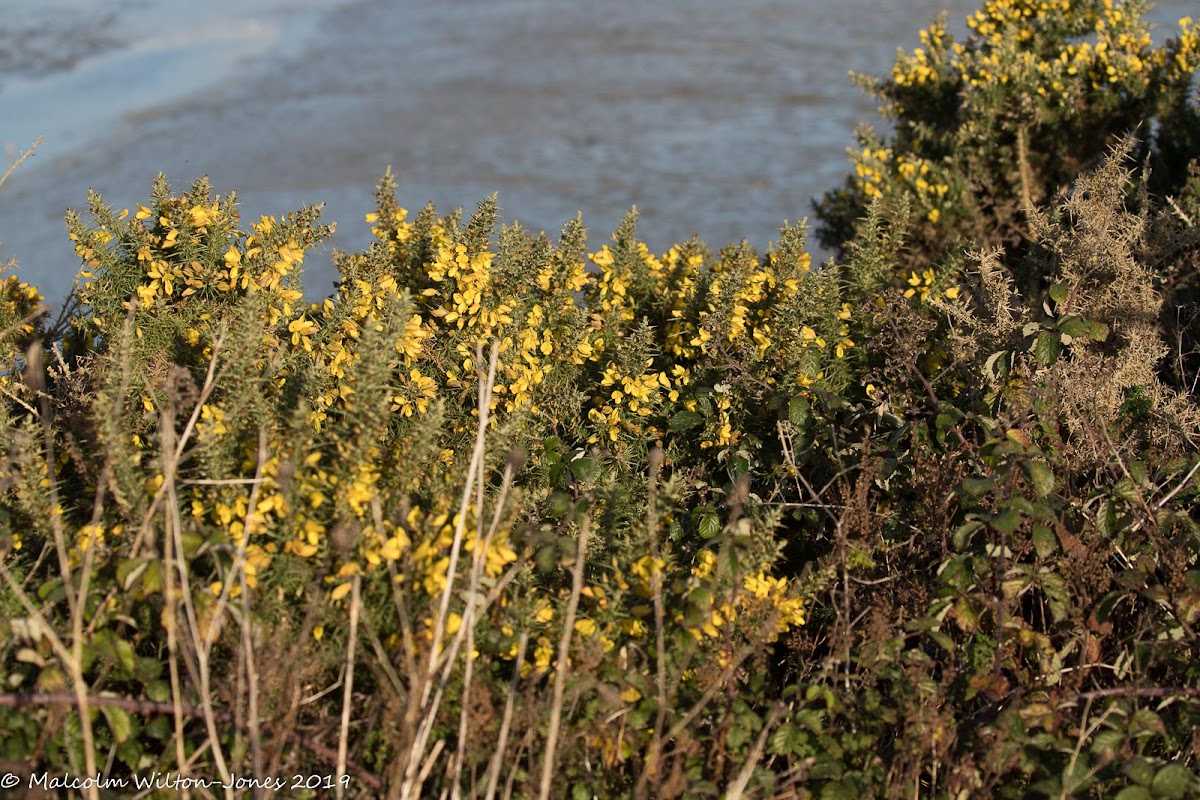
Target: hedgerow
505	515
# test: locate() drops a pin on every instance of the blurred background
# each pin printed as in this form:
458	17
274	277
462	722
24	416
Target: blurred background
716	118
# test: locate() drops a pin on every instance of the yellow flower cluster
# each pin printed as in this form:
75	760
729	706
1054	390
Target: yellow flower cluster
633	396
1104	48
926	62
20	304
761	595
396	233
998	17
926	182
616	611
656	343
870	166
1184	55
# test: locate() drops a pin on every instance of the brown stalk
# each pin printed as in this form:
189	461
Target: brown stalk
660	669
347	696
564	650
493	776
418	766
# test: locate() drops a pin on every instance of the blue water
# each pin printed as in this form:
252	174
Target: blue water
715	118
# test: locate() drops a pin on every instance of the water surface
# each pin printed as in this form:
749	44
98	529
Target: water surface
714	118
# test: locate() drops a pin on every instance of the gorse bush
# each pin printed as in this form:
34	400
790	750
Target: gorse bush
509	516
989	129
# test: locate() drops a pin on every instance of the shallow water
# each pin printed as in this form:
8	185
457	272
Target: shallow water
714	118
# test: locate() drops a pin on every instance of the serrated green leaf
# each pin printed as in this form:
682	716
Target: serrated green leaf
1041	476
585	469
964	532
1173	781
1107	743
710	526
1106	521
799	412
1057	596
1133	793
1006	521
1076	326
1058	292
788	739
159	726
158	691
1020	504
976	487
130	753
152	582
1046	348
683	420
119	722
125	655
1139	770
998	364
1145	721
148	668
129	570
1044	541
738	466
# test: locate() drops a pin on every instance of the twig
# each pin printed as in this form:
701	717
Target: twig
1187	220
20	160
660	668
414	769
347	696
564	649
1147	692
738	787
498	756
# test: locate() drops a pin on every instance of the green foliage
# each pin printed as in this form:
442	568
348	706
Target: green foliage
988	129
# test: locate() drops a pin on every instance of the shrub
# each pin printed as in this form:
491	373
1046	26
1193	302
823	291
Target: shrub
989	129
500	515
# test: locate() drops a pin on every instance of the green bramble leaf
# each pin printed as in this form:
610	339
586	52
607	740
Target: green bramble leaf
119	722
1133	793
1044	541
799	411
977	487
1046	348
683	420
1006	521
1173	781
1041	476
585	469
